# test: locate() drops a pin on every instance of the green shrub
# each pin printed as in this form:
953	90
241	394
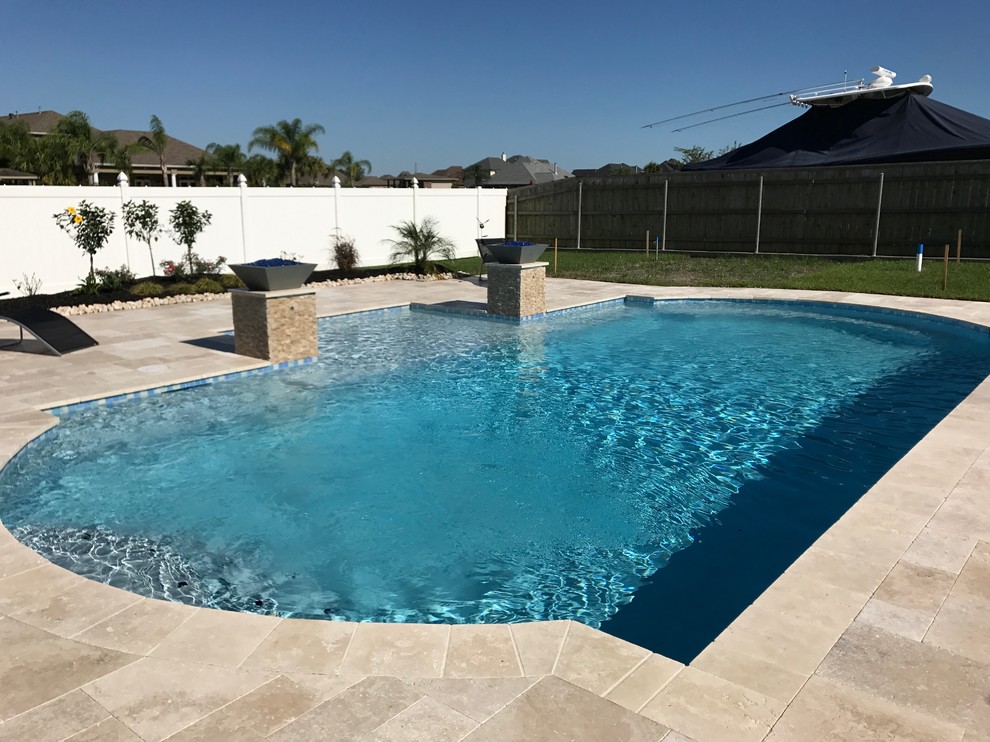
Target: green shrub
230	281
345	254
177	289
115	280
208	286
147	288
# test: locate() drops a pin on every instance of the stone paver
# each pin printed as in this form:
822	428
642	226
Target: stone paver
878	631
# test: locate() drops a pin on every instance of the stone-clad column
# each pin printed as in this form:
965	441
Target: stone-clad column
275	325
517	290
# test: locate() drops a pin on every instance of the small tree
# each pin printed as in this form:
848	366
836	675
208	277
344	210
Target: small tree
420	243
141	222
697	153
89	226
187	222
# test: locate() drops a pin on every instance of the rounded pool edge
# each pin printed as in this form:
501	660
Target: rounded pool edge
432	637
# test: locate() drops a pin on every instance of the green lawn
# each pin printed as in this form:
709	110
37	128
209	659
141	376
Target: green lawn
966	280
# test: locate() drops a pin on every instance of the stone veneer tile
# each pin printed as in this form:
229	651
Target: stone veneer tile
108	730
707	707
157	698
910	623
644	682
824	710
974	580
323	686
481	651
16	558
539	645
36	666
553	710
849	573
297	645
139	628
749	671
217	637
425	719
479	698
595	661
35	588
55	720
941	548
352	714
78	608
785	641
260	712
963	626
915	587
921	677
407	650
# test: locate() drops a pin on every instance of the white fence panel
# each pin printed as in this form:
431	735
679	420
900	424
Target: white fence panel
247	224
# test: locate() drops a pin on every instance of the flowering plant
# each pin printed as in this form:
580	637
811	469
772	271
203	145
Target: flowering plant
200	266
89	226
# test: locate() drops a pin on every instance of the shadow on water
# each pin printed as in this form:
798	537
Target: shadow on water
682	608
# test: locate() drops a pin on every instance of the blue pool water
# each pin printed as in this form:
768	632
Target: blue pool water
435	468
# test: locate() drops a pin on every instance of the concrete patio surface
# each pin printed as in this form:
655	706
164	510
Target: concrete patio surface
881	630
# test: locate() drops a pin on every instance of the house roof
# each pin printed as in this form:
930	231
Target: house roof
910	128
7	173
41	122
177	154
518	170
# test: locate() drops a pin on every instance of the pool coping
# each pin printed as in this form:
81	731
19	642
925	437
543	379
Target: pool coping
756	666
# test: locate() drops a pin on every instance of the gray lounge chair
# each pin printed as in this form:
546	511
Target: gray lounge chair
57	333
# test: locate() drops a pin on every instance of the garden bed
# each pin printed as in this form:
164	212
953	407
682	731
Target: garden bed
170	287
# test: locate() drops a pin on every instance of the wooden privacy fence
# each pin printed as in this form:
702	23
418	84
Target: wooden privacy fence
881	210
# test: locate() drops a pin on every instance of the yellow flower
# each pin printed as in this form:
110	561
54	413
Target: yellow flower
77	219
71	210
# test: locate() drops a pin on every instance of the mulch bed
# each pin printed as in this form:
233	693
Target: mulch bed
72	299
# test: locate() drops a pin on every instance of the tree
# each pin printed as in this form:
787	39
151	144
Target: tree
260	170
201	166
157	142
290	141
728	148
89	226
353	170
653	167
75	143
696	153
141	222
228	157
477	175
420	243
187	222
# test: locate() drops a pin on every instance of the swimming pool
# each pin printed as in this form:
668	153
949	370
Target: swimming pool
447	469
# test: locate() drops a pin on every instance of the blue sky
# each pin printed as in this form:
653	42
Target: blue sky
431	84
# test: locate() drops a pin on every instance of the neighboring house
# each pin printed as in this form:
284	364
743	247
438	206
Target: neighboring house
16	177
512	172
145	168
613	168
424	180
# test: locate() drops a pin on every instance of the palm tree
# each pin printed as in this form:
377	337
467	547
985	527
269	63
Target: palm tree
228	157
352	169
291	141
73	139
157	142
260	170
419	243
201	166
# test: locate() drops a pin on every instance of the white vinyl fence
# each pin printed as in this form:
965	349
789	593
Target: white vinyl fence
248	224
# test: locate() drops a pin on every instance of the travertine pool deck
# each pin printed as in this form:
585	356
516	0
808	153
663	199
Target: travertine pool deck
881	630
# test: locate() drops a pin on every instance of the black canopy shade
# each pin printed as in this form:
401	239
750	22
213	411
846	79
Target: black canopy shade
910	128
